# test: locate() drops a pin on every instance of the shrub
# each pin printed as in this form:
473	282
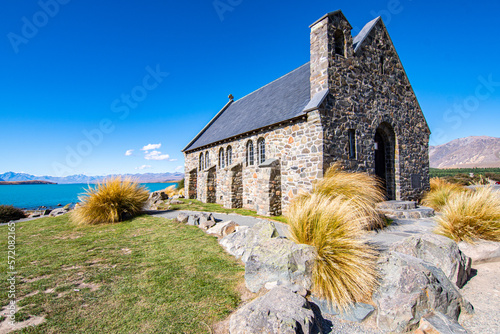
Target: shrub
110	201
440	192
170	191
363	191
467	216
8	213
344	271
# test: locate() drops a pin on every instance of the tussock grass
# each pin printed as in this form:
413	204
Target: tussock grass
170	191
344	271
441	191
110	202
363	191
471	215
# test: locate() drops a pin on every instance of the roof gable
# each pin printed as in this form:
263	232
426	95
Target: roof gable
278	101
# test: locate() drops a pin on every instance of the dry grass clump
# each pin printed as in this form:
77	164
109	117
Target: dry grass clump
441	191
344	271
471	215
110	201
362	190
170	191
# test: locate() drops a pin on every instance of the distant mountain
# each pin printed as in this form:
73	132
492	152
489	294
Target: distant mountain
142	178
1	180
469	152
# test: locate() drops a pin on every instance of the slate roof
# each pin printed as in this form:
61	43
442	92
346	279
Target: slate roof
278	101
283	99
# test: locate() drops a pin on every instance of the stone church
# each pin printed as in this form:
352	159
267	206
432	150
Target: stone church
352	104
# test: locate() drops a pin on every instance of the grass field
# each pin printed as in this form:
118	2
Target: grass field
146	275
212	207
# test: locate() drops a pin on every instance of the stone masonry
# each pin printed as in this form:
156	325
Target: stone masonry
367	118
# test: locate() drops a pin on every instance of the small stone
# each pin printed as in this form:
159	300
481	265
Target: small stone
438	323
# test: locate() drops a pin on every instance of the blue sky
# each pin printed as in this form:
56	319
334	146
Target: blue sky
84	82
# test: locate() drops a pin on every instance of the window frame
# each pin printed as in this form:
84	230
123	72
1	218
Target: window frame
229	156
222	159
261	150
250	161
351	135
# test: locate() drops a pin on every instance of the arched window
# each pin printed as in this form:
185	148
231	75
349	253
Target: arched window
339	42
249	153
229	156
261	149
207	160
222	161
201	161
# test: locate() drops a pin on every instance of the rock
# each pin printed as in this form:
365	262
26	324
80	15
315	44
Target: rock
438	323
46	212
193	220
219	228
300	290
182	217
175	197
58	212
357	312
243	240
409	288
159	195
34	215
229	228
175	201
207	220
278	311
59	204
279	259
439	251
482	251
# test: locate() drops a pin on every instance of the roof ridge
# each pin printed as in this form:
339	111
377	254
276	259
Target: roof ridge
361	36
272	82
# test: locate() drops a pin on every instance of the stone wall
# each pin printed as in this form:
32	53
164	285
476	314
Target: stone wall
369	90
297	145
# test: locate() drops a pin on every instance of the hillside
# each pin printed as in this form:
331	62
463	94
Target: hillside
469	152
143	178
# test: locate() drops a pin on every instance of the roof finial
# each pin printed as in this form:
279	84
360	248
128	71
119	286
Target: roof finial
231	97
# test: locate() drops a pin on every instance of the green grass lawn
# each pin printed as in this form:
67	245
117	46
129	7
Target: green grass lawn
146	275
212	207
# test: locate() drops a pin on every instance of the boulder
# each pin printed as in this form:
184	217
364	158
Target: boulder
243	240
482	251
278	311
176	201
182	217
207	220
410	288
193	220
155	199
439	251
46	212
438	323
58	212
279	260
223	229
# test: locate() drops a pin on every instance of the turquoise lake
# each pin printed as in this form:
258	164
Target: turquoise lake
33	196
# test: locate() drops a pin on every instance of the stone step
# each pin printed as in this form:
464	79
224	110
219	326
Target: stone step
397	205
420	212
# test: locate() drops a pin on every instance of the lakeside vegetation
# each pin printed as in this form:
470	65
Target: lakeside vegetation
148	274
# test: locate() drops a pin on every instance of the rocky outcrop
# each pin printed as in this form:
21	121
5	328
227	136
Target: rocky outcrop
182	218
278	311
58	212
411	288
279	260
439	251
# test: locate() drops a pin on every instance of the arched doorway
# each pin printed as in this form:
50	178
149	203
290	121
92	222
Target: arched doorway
385	148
